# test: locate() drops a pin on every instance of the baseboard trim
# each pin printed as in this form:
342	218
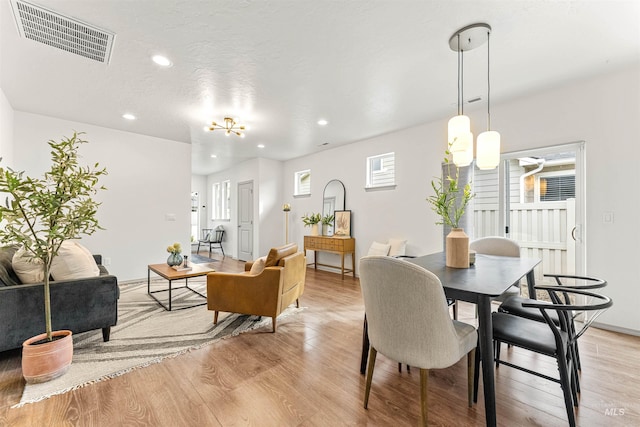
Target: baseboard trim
613	328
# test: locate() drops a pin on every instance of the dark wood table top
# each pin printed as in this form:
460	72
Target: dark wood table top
489	276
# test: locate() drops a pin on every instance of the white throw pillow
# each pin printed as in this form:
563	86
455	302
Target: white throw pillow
29	270
398	247
257	266
379	249
73	261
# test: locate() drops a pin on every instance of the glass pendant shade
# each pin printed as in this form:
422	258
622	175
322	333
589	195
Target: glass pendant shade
464	157
488	150
458	125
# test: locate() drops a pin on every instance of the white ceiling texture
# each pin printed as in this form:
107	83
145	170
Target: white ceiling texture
368	67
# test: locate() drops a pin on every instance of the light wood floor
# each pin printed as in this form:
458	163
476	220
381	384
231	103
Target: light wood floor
307	374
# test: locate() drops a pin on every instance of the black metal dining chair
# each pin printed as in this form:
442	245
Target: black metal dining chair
552	339
514	305
213	238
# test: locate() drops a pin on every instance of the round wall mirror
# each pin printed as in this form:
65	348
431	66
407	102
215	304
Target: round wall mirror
333	199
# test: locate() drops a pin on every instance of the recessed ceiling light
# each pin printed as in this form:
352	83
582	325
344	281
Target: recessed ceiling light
129	116
260	145
213	156
323	122
162	61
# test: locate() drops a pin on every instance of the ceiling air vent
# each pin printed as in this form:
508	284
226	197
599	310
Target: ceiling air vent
62	32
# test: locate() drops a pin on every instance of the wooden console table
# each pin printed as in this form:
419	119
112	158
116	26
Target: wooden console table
336	245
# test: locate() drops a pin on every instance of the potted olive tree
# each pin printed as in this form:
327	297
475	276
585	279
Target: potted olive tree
450	202
39	214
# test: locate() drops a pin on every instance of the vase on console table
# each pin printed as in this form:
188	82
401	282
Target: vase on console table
314	229
457	249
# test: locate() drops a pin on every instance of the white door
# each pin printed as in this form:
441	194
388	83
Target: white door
245	221
537	197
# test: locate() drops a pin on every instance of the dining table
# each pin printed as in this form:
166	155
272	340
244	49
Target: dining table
479	284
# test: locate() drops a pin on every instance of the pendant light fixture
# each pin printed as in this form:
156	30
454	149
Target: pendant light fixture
488	155
460	137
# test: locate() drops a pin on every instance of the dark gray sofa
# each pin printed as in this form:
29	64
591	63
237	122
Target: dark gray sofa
78	305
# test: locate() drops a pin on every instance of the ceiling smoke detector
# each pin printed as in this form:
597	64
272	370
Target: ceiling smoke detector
62	32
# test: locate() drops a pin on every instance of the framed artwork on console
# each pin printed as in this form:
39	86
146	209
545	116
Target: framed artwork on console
342	225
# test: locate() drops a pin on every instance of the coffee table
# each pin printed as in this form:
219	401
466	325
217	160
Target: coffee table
168	273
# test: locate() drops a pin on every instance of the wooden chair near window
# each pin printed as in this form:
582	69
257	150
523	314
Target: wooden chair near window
213	238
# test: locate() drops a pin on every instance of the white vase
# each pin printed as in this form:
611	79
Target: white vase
314	229
457	249
325	229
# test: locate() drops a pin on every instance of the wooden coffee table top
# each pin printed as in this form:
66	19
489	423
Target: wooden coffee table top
169	273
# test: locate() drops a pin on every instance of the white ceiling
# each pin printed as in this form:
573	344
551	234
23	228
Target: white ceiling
368	67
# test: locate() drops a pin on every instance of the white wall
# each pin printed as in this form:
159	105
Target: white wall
6	131
270	201
376	215
199	185
148	179
602	111
266	176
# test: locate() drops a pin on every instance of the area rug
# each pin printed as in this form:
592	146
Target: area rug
145	334
199	259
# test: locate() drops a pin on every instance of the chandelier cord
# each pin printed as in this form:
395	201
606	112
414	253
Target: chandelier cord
488	84
459	113
462	83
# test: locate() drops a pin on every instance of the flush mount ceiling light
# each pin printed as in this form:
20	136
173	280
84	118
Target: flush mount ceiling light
323	122
162	61
229	127
459	137
129	116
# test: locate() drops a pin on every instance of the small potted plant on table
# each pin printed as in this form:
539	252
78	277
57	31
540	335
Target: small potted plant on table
312	221
449	202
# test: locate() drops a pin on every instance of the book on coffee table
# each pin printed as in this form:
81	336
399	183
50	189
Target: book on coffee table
180	268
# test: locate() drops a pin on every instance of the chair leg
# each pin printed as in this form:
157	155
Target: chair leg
372	361
106	333
496	348
565	383
424	407
215	317
471	361
198	250
455	310
222	249
273	320
399	366
297	303
476	376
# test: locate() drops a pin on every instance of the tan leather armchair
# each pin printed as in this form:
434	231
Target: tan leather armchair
267	293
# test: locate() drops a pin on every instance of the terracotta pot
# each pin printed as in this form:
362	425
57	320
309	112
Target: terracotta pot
457	250
47	360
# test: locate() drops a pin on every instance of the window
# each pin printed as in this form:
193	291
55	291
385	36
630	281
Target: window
302	185
221	205
381	170
557	188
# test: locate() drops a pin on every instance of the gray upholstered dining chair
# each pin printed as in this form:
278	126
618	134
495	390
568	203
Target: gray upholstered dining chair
499	246
409	322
